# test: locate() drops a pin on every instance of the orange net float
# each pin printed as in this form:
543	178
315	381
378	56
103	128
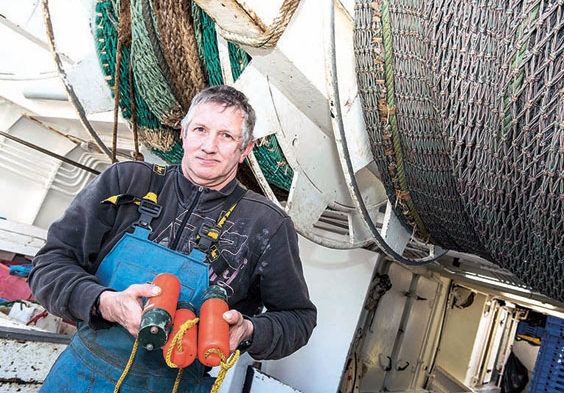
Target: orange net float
182	346
158	313
213	330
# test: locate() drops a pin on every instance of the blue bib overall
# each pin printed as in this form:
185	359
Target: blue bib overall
95	359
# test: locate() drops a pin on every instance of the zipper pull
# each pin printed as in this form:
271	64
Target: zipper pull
200	188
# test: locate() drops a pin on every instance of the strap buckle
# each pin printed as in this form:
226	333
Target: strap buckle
208	235
213	253
207	240
148	210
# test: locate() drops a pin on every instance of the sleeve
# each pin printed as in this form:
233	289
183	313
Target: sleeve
62	278
290	315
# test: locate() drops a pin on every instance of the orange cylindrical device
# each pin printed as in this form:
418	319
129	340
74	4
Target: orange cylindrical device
156	320
213	330
174	357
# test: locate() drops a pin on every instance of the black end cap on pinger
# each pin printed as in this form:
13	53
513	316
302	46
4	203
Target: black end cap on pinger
154	329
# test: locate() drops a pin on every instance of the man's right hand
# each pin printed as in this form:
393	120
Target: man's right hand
126	307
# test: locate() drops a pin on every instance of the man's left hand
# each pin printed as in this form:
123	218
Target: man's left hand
240	329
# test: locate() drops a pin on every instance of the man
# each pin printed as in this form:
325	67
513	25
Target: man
258	259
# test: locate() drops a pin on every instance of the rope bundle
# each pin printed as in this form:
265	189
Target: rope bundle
179	47
151	71
153	133
175	55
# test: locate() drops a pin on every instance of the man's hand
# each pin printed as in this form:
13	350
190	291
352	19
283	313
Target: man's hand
126	307
240	329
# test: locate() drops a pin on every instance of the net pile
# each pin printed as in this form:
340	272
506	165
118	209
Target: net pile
463	104
168	54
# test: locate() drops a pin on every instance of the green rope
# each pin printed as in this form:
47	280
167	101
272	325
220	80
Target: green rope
238	59
174	156
197	25
390	97
106	43
208	46
152	84
273	163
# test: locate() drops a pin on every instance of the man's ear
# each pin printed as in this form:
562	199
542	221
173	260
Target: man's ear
246	151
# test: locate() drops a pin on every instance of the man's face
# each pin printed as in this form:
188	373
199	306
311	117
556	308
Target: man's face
212	144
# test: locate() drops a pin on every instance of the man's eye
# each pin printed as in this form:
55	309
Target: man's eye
226	136
199	129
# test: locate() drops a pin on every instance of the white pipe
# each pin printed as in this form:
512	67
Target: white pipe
42	94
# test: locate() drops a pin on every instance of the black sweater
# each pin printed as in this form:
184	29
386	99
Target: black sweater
258	240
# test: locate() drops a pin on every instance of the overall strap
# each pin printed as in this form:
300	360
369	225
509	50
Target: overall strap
208	236
148	207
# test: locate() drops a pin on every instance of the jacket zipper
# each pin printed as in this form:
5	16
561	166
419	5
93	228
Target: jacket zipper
187	215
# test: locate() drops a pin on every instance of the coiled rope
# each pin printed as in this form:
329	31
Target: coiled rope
152	132
179	47
270	37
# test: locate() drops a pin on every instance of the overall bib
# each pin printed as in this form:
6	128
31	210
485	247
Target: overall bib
95	359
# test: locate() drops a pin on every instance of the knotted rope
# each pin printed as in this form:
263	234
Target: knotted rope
225	366
177	340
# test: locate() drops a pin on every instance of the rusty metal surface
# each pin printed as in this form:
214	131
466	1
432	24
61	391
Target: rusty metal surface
17	386
26	362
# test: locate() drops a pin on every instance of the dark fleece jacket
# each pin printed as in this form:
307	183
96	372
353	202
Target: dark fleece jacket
258	240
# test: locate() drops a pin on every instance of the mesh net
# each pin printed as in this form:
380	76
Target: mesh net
463	103
151	71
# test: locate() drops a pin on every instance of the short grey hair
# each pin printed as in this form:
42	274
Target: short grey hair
228	97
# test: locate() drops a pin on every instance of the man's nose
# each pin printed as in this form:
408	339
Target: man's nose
209	143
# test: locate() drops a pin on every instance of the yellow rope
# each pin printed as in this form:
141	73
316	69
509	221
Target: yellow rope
127	367
177	382
185	326
225	366
177	339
